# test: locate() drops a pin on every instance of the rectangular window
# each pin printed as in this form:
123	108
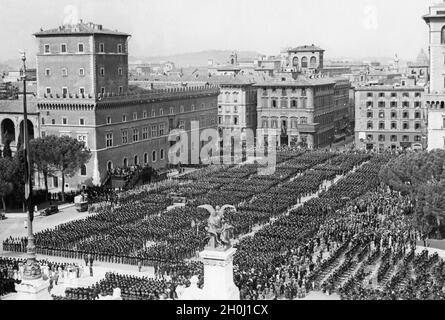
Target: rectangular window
135	115
108	120
63	48
64	120
109	139
182	123
144	115
124	118
83	138
64	72
47	72
101	47
64	92
145	133
120	71
81	72
135	135
161	129
102	72
153	131
119	48
46	50
121	90
124	136
82	91
102	90
82	121
80	47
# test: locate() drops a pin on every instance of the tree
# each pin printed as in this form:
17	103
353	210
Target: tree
8	138
422	176
19	176
7	175
409	171
7	153
69	155
42	152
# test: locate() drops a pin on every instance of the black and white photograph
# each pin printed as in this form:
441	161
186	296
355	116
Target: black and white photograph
251	152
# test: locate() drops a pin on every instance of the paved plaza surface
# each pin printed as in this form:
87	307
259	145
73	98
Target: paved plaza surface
14	225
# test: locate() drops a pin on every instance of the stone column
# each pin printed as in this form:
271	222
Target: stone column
218	275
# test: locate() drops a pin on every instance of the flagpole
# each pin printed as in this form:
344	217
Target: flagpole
32	269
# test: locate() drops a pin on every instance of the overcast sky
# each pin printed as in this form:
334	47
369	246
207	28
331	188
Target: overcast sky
353	28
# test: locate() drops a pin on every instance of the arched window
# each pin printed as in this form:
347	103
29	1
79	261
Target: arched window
136	160
304	62
125	163
313	62
145	158
83	170
162	154
153	156
295	62
442	35
109	165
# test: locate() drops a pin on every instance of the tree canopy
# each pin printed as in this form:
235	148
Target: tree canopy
421	175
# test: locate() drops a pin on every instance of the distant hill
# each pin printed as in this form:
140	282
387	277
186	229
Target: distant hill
196	59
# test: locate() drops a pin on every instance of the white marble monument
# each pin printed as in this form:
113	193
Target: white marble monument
218	275
218	257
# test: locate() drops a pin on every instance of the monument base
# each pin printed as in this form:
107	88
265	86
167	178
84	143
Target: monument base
218	275
33	290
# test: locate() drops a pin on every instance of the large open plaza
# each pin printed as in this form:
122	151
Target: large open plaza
140	162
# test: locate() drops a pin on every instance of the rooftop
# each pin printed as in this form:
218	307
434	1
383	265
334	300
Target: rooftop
300	82
89	28
306	48
389	88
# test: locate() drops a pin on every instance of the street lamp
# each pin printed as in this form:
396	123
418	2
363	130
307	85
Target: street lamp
32	269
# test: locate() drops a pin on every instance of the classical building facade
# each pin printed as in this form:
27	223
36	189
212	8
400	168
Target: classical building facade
83	92
301	111
305	59
237	104
390	117
435	97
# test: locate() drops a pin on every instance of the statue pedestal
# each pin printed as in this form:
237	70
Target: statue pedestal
33	290
218	275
